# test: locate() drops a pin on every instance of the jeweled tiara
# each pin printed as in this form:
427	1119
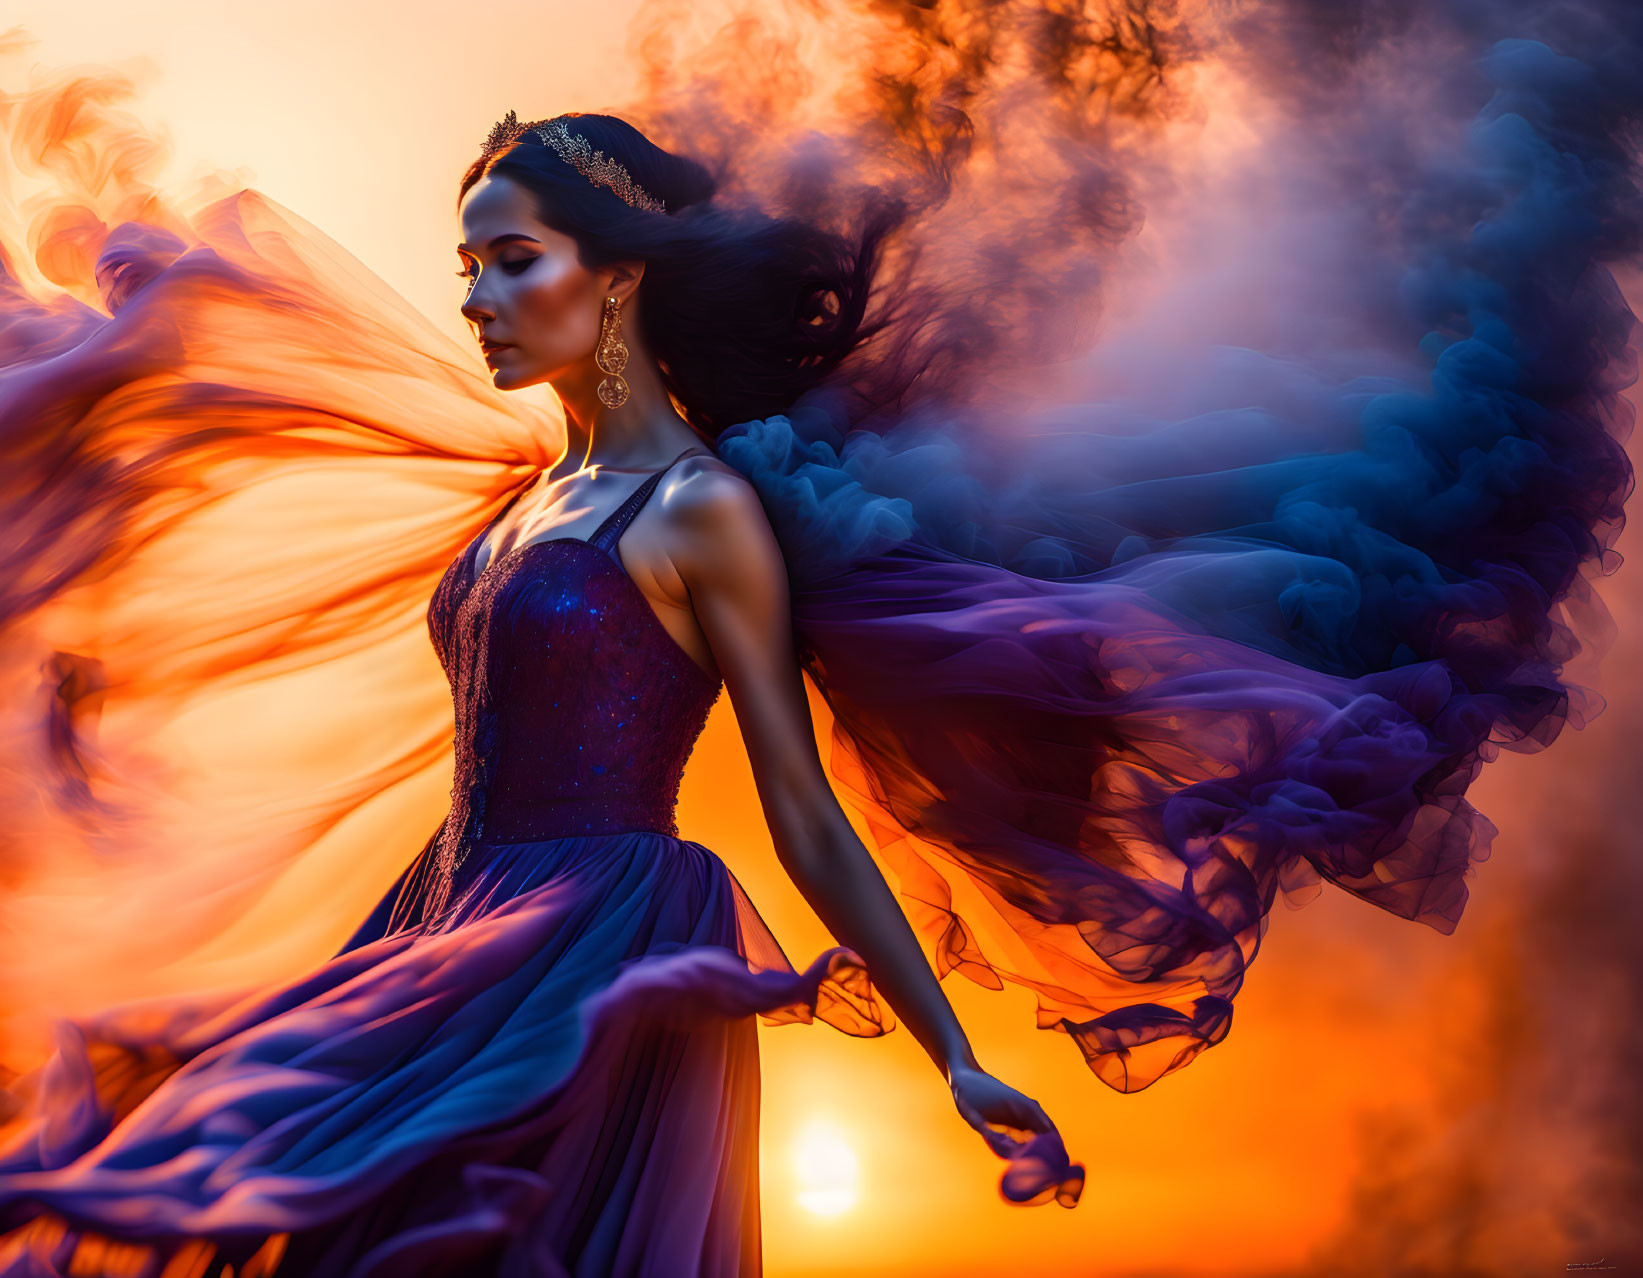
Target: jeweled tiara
575	150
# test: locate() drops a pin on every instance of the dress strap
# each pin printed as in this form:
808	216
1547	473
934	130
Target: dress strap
610	532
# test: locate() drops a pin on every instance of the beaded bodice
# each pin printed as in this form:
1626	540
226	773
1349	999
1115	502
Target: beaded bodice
575	708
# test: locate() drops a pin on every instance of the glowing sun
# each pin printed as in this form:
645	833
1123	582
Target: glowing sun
829	1175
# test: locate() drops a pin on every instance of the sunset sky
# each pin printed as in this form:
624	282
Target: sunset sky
1379	1079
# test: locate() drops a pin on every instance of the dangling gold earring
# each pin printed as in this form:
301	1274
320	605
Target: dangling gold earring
612	357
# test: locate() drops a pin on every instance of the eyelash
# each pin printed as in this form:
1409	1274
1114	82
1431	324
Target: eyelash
522	263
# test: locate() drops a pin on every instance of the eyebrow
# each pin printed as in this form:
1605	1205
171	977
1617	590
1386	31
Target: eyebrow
499	241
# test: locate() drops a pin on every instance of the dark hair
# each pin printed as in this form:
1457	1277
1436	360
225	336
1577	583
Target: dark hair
743	310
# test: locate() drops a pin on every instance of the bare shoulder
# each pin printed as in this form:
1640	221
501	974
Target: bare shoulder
705	487
704	494
717	522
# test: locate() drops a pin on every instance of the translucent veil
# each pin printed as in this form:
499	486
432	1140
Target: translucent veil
235	464
1122	640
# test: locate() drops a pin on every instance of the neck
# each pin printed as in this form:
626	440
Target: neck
645	433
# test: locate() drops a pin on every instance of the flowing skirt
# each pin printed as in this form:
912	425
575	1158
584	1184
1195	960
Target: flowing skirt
559	1075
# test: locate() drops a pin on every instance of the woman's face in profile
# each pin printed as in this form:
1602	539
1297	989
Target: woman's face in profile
530	299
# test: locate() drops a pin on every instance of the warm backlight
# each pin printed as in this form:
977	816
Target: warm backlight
829	1175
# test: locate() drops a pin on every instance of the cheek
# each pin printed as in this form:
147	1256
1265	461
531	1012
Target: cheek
557	312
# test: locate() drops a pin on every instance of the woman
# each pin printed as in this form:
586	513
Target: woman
538	1055
1105	688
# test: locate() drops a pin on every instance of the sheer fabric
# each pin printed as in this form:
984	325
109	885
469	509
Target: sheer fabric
1105	684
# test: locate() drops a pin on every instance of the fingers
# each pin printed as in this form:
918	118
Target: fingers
1032	1115
992	1127
1006	1108
1029	1115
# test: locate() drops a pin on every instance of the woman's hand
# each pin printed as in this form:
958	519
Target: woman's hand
1039	1167
983	1099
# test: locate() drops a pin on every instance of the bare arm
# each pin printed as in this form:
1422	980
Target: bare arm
729	559
731	563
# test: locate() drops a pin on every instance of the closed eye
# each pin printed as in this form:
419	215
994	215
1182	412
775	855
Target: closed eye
515	267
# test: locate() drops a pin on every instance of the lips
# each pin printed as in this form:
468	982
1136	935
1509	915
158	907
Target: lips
490	348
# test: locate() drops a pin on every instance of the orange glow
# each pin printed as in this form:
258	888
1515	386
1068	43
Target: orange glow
826	1169
1380	1081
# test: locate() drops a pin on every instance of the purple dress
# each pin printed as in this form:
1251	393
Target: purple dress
537	1056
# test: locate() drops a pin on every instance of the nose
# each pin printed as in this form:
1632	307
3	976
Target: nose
477	312
474	308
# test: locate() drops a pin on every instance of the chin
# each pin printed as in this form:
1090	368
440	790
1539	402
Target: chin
512	378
